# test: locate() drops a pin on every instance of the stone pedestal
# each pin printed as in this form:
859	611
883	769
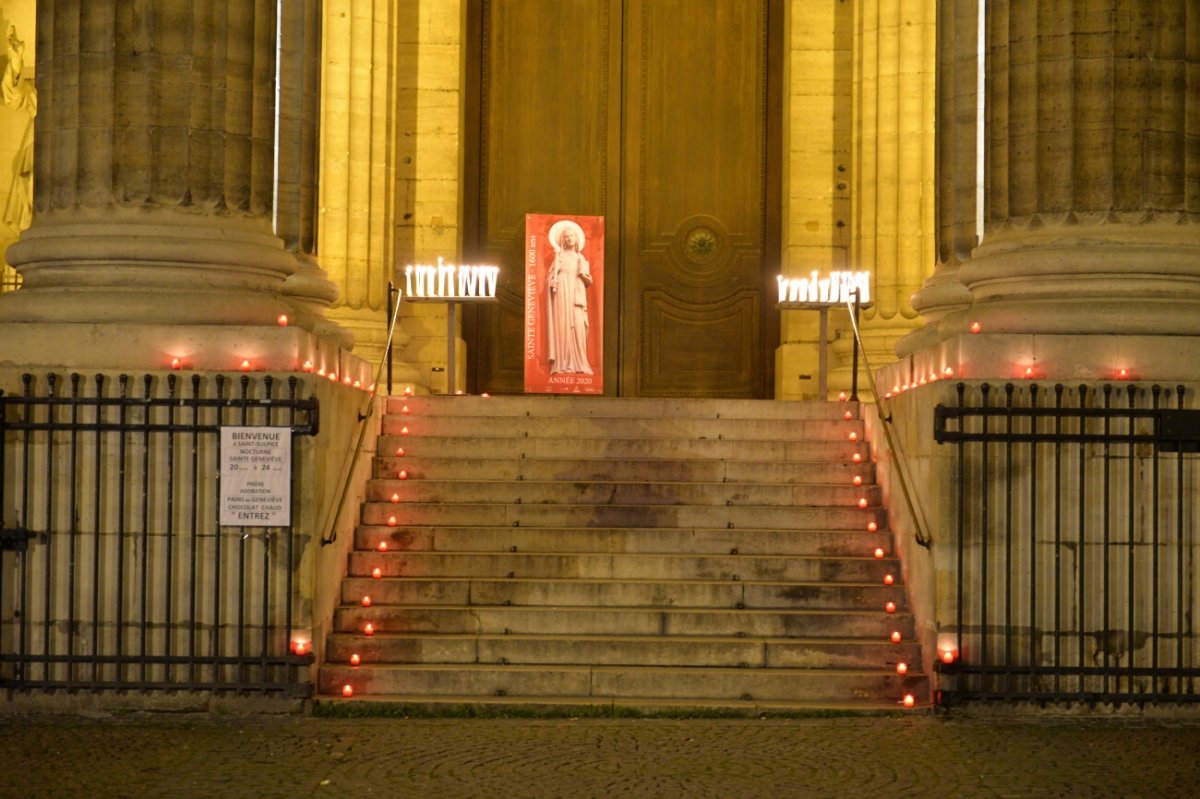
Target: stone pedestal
1068	231
1090	203
154	196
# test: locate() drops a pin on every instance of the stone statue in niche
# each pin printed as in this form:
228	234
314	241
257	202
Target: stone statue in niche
567	282
20	95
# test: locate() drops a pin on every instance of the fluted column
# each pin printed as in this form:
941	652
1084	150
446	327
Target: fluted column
153	165
894	69
296	207
358	203
154	190
943	299
1092	178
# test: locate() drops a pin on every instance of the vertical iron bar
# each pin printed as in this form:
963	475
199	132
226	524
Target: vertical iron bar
854	350
73	527
218	672
1081	582
1008	536
265	643
1033	509
1105	628
241	613
822	356
1180	612
147	383
452	348
122	476
3	491
1130	586
962	482
292	384
1156	493
390	310
983	537
1058	397
26	518
193	588
169	577
97	474
51	380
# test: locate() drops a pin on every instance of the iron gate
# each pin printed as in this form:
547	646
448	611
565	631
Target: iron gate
1077	543
114	571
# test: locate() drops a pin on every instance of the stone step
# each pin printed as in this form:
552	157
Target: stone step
555	427
582	493
560	706
621	566
875	624
816	653
693	541
658	470
582	551
482	446
628	408
672	516
621	593
676	683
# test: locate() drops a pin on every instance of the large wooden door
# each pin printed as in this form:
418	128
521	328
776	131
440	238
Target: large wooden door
662	116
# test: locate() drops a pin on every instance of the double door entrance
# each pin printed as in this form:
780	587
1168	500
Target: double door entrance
663	117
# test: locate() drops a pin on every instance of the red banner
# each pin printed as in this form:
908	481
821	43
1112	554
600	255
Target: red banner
564	304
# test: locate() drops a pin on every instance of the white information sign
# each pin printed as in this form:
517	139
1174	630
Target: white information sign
256	476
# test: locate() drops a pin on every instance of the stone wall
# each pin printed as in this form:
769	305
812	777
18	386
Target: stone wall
858	133
391	163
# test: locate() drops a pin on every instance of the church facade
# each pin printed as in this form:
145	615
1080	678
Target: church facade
1021	180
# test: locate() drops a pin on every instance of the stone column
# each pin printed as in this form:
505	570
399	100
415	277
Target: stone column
430	84
893	210
296	190
943	298
1091	243
358	178
154	178
817	161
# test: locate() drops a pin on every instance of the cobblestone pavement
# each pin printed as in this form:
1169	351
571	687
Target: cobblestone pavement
853	757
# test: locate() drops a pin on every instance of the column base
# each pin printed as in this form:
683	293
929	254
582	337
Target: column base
880	341
1047	357
41	346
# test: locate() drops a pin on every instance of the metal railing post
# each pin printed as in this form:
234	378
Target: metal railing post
854	361
392	291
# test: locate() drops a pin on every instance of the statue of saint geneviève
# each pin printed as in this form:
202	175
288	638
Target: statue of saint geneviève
567	282
17	89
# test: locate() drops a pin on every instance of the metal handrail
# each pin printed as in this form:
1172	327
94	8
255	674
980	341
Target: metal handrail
885	417
391	306
363	416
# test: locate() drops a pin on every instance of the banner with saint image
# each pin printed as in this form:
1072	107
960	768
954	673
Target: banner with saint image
564	304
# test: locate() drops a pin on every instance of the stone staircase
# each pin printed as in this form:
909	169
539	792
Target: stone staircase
559	552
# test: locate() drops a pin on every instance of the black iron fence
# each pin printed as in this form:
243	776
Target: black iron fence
114	570
9	279
1077	543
